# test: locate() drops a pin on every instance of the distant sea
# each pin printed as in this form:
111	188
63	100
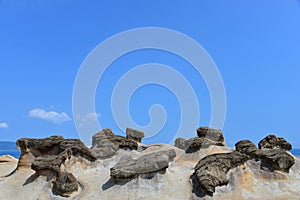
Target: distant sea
10	148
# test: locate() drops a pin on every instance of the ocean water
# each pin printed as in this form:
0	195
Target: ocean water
295	152
13	153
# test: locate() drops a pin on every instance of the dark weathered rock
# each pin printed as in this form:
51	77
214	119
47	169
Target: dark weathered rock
65	184
135	135
45	146
48	154
271	142
211	171
106	143
181	143
211	134
206	137
129	168
271	159
54	145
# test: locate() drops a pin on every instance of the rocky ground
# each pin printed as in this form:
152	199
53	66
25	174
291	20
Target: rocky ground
117	167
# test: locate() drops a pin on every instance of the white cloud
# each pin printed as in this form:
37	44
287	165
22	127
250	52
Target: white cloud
3	125
50	116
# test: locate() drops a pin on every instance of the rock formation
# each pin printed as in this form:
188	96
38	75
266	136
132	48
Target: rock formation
211	171
65	184
45	156
118	167
272	159
129	168
134	134
105	144
206	137
271	142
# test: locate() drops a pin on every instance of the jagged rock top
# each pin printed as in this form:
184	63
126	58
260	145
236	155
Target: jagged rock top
206	137
271	142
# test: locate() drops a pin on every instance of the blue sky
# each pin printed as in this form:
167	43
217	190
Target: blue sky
255	44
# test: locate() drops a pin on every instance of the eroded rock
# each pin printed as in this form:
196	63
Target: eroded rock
106	143
271	159
206	137
271	142
65	184
135	135
129	168
211	171
46	156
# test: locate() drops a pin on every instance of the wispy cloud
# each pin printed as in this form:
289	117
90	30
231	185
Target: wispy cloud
50	116
87	119
3	125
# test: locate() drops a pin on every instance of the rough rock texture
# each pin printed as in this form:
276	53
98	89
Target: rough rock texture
46	157
212	134
129	168
211	171
65	184
157	171
105	144
271	159
271	142
206	137
134	134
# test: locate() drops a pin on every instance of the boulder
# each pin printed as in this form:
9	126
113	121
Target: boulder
206	137
271	142
211	171
105	144
129	168
65	184
135	135
211	134
46	156
271	159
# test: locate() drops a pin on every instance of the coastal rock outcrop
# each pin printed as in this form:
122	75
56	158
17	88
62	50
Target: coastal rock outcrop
129	168
134	134
45	156
105	144
211	171
206	137
271	159
65	184
271	142
58	168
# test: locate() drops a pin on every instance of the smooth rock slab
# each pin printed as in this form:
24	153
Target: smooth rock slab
129	168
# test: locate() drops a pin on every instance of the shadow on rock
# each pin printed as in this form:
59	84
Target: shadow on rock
196	186
111	182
